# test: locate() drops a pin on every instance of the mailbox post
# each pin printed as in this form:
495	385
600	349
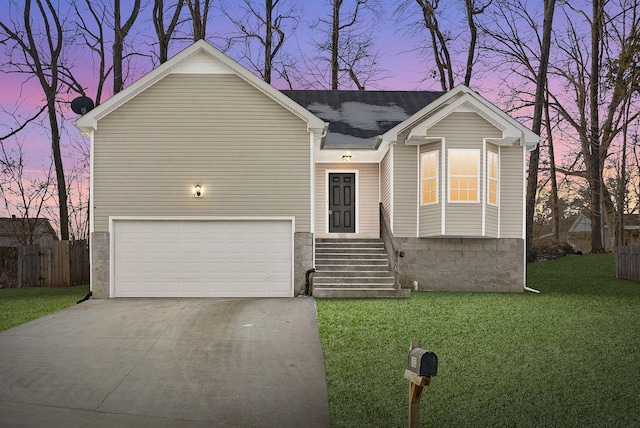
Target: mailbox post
421	366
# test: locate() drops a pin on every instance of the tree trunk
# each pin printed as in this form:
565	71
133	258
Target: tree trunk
164	35
57	160
268	40
541	79
555	205
622	187
120	34
46	67
335	39
595	175
117	48
473	32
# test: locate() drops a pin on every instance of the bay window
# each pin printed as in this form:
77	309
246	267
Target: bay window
464	168
429	178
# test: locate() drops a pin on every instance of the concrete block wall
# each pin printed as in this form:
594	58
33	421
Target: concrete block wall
463	264
302	260
100	265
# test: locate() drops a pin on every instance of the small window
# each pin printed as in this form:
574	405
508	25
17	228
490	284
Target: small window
429	177
464	166
492	178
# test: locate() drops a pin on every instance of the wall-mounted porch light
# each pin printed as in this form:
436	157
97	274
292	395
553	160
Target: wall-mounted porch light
346	157
198	191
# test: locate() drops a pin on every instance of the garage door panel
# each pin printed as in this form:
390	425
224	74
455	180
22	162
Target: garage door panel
202	258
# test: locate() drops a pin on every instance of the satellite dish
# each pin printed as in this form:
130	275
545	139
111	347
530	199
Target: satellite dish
82	105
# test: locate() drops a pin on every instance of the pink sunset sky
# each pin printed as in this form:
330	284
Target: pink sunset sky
403	62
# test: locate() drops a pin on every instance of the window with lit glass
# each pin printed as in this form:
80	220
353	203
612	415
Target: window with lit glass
464	167
492	178
429	177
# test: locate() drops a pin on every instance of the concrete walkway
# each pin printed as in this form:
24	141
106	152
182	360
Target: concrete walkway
166	363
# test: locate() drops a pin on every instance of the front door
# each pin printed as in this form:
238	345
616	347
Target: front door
342	203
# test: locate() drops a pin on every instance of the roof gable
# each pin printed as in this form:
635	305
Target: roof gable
461	98
200	57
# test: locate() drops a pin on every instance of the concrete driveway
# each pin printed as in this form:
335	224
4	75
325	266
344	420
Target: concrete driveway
166	363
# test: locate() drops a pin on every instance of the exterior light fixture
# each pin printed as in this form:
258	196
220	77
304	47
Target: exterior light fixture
197	191
346	157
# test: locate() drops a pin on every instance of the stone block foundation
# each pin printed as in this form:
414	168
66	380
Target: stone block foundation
463	264
100	272
302	259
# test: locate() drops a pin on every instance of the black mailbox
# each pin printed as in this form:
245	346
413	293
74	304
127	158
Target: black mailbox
423	362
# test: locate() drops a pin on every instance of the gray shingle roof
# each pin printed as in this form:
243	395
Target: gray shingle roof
356	118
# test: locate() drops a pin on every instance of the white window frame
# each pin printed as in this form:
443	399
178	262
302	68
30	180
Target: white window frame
491	179
435	176
478	176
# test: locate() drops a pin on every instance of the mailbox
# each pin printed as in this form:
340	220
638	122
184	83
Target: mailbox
422	362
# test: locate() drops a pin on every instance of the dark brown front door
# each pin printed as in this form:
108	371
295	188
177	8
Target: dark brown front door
342	203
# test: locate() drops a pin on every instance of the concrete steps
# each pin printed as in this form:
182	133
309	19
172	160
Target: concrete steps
353	268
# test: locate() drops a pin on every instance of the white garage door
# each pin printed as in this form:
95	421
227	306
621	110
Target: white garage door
202	258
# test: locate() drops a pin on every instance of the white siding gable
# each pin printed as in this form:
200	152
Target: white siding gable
202	63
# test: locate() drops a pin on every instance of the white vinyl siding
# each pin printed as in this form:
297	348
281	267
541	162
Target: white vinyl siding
512	192
405	188
367	197
250	154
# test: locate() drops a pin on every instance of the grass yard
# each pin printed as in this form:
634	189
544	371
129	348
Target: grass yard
567	357
19	305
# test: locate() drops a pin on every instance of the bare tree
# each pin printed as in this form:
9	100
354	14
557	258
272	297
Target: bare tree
441	41
595	175
619	33
268	26
529	53
539	102
163	33
472	8
37	51
93	34
199	11
555	204
120	32
348	47
24	197
77	188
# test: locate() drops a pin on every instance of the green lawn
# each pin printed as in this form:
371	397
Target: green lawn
567	357
19	305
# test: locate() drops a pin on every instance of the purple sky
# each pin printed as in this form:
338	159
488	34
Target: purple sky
403	66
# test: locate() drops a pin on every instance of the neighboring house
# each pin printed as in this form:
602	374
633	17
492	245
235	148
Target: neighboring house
206	181
579	235
16	232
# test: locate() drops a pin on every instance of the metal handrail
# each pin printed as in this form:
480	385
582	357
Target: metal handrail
390	241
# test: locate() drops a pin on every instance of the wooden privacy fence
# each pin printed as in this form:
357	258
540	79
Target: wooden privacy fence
628	263
53	264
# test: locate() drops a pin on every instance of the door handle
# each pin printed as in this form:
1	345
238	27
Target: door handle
330	212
